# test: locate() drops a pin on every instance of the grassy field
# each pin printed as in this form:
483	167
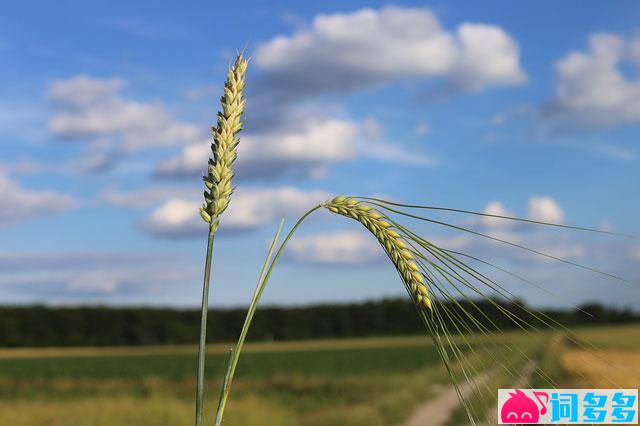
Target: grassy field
378	381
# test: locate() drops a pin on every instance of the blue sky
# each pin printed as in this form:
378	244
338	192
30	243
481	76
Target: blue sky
529	108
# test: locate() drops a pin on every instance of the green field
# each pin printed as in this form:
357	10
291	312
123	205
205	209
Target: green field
377	381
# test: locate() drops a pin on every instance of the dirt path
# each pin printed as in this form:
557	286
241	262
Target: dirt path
438	410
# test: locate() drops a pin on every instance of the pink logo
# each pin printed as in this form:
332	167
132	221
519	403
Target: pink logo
519	408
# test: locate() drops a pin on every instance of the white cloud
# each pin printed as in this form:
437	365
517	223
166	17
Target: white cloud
191	161
84	90
498	209
498	252
293	150
487	56
306	150
87	107
18	204
347	51
540	208
175	218
322	142
254	207
250	209
338	248
634	253
545	209
490	250
591	88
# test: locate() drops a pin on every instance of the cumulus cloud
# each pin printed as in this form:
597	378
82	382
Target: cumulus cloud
89	108
271	154
552	244
591	87
498	209
347	51
251	208
175	218
304	150
540	208
337	248
18	204
191	161
545	209
487	56
84	90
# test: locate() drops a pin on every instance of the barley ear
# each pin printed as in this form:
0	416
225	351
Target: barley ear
391	241
224	147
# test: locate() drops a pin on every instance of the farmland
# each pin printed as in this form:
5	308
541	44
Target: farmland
372	381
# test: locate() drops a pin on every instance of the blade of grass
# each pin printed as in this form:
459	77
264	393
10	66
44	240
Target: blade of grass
262	283
235	353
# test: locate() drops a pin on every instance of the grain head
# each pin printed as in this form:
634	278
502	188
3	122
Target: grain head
224	147
394	245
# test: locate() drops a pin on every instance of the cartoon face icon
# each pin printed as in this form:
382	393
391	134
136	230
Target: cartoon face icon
521	409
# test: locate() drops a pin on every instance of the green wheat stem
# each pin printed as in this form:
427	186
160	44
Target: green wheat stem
203	329
262	283
218	190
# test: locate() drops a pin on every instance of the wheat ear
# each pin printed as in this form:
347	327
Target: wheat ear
218	193
224	148
391	241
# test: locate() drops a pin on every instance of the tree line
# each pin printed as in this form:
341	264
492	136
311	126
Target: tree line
102	325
